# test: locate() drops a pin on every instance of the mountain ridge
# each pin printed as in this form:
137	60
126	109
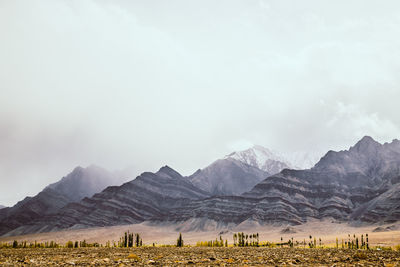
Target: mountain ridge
138	200
339	185
360	185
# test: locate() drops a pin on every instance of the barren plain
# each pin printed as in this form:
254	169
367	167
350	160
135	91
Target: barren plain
200	256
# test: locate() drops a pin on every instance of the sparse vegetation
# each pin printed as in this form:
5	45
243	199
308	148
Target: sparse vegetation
213	243
24	244
245	240
128	240
247	249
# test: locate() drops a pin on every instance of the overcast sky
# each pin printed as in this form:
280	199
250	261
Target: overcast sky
149	83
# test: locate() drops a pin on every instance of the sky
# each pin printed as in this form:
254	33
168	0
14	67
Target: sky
142	84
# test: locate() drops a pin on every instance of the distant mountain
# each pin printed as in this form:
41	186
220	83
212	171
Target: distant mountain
2	207
227	177
273	162
240	171
358	186
262	158
80	183
148	196
376	162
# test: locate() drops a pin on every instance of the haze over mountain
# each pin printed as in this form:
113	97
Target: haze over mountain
84	182
2	207
80	183
303	160
357	186
227	177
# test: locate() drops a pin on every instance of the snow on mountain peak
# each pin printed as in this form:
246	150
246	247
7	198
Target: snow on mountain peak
261	158
272	161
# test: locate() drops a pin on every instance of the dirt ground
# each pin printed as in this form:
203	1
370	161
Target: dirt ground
201	256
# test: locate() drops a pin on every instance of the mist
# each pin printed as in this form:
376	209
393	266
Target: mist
142	84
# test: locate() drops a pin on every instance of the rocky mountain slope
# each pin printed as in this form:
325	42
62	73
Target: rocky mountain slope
80	183
227	177
359	185
149	195
384	208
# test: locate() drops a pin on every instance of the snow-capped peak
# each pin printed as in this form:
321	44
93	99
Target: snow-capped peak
274	162
262	158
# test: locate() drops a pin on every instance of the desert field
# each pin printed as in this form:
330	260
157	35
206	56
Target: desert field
200	256
160	253
167	234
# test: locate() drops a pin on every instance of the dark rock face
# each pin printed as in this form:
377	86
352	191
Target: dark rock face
227	177
80	183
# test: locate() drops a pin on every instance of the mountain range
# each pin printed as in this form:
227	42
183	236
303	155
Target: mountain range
360	185
240	171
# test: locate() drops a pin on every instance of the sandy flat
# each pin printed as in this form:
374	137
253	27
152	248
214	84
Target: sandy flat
167	234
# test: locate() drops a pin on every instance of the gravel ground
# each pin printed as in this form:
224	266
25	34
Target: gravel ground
171	256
